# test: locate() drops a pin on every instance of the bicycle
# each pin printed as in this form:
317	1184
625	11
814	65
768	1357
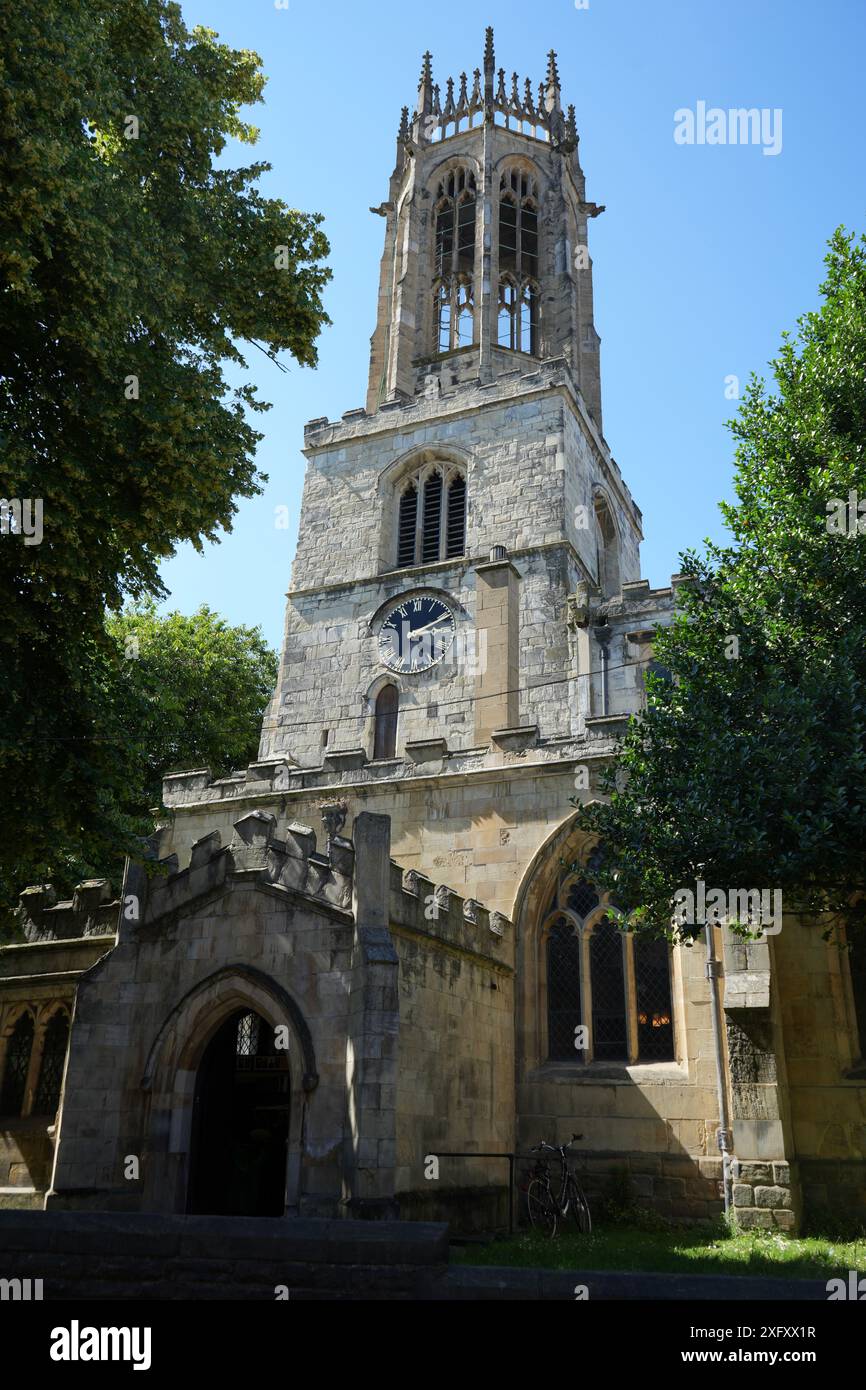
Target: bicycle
544	1207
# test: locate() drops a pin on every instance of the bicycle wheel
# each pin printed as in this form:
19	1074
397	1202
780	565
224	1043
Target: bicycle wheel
579	1207
541	1208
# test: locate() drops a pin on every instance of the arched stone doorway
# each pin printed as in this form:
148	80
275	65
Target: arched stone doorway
240	1122
171	1078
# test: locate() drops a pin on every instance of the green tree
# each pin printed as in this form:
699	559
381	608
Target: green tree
133	269
747	769
174	692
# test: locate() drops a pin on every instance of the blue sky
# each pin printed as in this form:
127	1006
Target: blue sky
704	255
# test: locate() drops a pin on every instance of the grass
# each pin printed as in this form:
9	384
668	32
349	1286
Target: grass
707	1250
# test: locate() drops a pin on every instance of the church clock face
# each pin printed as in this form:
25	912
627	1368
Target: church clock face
416	633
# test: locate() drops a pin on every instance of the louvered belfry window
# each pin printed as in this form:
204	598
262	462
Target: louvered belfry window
431	516
51	1066
18	1050
407	526
455	541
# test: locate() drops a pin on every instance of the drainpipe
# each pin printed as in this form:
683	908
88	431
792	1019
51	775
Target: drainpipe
723	1134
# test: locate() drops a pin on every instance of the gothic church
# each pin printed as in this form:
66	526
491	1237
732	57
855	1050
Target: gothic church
372	946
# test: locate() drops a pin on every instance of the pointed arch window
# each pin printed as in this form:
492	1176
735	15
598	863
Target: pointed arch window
507	334
455	314
607	544
385	732
454	260
443	318
51	1066
518	316
620	983
465	314
431	515
18	1050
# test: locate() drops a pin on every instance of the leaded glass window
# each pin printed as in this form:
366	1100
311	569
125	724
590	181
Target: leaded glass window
563	989
248	1035
609	1029
655	1032
18	1050
586	951
51	1066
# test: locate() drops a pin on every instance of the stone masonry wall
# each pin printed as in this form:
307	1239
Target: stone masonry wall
455	1089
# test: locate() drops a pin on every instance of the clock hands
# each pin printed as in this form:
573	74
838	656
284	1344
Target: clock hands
417	631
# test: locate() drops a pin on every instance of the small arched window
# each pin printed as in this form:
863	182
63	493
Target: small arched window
385	732
431	515
607	544
51	1066
18	1050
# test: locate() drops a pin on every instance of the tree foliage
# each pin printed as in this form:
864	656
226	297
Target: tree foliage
133	269
750	770
174	692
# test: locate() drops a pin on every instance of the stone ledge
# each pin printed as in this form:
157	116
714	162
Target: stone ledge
344	760
516	739
597	725
424	750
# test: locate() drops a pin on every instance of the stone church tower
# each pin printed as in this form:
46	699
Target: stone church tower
466	636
